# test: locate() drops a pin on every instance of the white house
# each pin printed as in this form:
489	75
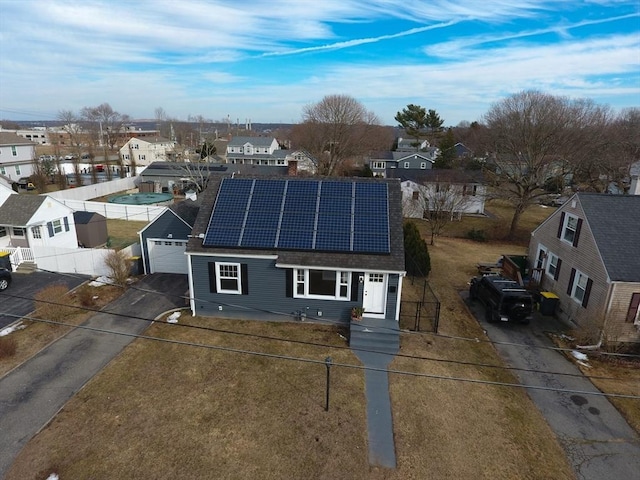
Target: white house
36	220
454	191
5	192
16	156
266	151
144	151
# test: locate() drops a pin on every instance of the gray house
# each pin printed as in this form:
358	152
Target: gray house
283	248
164	240
381	162
588	253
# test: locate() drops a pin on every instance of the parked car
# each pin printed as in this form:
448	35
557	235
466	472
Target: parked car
5	278
503	299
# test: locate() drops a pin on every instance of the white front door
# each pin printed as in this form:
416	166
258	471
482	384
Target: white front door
375	294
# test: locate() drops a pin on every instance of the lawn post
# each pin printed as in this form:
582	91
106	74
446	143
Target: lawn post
327	362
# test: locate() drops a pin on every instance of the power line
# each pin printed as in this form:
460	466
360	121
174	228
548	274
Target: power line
344	365
325	320
314	344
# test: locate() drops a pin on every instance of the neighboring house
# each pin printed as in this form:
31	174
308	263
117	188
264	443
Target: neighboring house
144	151
36	220
411	145
91	229
169	175
265	151
5	191
313	249
381	162
164	240
16	156
462	151
588	253
456	190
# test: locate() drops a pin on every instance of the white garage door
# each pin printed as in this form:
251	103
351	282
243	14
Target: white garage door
167	256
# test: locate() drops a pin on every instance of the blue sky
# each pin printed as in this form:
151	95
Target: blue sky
266	59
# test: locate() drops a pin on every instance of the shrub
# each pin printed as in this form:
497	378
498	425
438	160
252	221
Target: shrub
85	296
416	253
477	235
53	303
118	265
8	347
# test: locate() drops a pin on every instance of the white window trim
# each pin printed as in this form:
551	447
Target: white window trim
219	277
576	280
57	227
22	233
567	217
304	279
550	262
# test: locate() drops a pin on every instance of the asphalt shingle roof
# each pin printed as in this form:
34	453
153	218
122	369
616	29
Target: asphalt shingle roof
614	221
394	261
17	210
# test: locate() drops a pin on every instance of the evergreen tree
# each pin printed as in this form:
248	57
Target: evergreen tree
447	154
416	253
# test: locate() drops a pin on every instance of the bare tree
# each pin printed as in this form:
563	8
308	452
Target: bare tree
335	130
439	203
533	136
73	129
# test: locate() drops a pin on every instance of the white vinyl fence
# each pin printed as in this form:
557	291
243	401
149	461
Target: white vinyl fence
86	261
96	190
143	213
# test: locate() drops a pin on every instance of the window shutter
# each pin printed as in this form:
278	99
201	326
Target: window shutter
558	265
212	277
577	235
354	286
561	225
289	282
50	228
66	224
633	307
571	279
244	278
587	292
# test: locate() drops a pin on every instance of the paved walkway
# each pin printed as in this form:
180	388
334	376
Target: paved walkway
34	392
375	342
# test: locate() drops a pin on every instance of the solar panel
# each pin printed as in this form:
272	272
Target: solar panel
322	215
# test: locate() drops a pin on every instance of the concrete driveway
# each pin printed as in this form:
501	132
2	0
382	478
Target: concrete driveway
32	394
27	285
598	441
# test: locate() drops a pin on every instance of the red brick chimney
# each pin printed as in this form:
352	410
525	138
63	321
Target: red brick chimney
293	168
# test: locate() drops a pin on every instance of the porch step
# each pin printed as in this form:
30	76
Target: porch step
375	336
26	267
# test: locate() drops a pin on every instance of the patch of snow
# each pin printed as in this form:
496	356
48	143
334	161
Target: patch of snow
173	318
100	281
6	331
53	476
579	355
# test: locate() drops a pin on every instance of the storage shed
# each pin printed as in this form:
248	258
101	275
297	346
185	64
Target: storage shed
91	229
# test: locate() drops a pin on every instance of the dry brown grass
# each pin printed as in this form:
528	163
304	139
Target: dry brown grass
174	411
123	233
38	335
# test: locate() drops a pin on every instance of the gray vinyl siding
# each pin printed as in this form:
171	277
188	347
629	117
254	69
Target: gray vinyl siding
165	224
267	295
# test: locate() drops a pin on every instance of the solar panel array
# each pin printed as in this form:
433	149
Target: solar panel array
324	215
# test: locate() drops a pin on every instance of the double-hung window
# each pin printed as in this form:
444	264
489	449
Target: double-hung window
57	226
327	284
553	265
228	278
579	287
570	227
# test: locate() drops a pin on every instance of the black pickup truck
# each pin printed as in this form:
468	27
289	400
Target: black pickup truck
504	300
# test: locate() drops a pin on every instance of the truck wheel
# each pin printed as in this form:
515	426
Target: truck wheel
488	314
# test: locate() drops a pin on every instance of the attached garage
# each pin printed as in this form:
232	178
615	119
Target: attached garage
164	240
167	256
